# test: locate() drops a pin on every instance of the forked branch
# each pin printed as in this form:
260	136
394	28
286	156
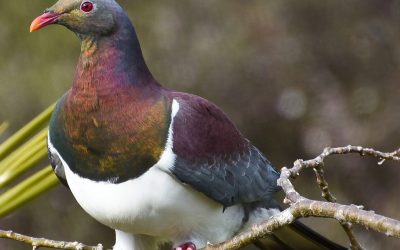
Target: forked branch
300	206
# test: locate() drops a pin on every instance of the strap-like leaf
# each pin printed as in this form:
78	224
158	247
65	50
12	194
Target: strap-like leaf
24	152
25	132
27	190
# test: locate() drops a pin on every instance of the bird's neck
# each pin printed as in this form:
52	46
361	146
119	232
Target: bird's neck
111	62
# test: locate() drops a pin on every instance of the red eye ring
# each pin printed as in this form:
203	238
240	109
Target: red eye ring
87	6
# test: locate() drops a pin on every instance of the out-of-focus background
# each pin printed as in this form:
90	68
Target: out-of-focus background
295	76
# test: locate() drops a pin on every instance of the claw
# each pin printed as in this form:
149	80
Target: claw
186	246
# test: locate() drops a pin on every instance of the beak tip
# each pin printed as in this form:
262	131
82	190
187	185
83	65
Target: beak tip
33	28
43	20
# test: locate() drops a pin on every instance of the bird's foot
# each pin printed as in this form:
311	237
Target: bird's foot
186	246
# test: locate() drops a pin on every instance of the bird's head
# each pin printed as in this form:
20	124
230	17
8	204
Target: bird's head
84	17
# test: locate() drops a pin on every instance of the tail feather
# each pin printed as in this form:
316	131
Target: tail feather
297	236
271	242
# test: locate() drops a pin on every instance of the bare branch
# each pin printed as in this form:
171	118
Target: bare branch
303	207
42	242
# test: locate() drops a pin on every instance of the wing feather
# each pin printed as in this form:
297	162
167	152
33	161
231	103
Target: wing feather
215	159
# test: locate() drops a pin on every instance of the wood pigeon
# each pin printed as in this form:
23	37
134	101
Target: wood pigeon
154	164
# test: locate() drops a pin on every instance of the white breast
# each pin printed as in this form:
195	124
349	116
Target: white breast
155	204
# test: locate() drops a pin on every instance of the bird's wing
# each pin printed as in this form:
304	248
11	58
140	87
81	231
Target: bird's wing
214	158
57	165
54	157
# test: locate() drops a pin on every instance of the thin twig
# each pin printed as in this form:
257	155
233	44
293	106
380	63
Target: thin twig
306	208
347	226
42	242
303	207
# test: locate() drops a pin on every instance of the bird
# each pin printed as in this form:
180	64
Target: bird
154	164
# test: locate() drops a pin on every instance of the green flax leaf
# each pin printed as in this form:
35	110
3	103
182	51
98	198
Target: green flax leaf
30	188
24	152
39	121
22	165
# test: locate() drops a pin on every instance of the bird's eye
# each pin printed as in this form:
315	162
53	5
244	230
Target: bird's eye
87	6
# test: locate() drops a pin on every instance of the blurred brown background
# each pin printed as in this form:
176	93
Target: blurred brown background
295	76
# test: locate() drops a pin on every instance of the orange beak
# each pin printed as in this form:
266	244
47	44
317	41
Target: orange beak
44	20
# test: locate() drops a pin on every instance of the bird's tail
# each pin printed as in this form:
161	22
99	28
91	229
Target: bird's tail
297	236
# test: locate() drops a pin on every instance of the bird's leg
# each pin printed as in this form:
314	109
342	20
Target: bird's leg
128	241
186	246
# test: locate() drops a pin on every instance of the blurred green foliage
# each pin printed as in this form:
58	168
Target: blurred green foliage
295	76
18	154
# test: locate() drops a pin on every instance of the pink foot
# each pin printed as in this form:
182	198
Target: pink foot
186	246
